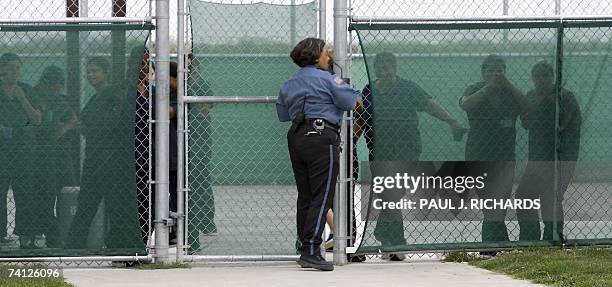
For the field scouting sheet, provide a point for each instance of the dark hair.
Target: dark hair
(385, 59)
(542, 67)
(173, 69)
(9, 57)
(100, 62)
(137, 54)
(307, 52)
(52, 75)
(493, 60)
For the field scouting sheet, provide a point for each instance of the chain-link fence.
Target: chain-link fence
(69, 137)
(421, 55)
(429, 80)
(240, 188)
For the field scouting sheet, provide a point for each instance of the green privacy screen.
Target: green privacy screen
(506, 125)
(241, 188)
(67, 148)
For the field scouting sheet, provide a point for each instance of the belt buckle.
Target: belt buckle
(318, 125)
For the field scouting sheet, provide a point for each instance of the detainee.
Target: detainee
(550, 146)
(493, 106)
(389, 123)
(314, 100)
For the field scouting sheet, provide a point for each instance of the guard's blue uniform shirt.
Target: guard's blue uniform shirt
(318, 93)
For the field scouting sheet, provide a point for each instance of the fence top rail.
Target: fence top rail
(424, 25)
(503, 18)
(79, 20)
(230, 99)
(74, 27)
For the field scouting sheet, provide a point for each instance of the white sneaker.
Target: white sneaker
(329, 243)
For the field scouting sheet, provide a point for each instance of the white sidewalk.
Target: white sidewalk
(414, 274)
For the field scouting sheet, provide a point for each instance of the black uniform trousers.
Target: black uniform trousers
(315, 161)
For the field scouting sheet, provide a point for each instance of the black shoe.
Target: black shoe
(356, 258)
(394, 257)
(316, 262)
(397, 257)
(26, 242)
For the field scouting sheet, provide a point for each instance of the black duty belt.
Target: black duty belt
(321, 124)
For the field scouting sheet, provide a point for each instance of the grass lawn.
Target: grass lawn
(6, 281)
(576, 267)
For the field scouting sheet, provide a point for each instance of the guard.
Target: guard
(314, 100)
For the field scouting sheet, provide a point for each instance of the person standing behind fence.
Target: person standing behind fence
(538, 181)
(107, 122)
(17, 118)
(173, 147)
(139, 75)
(390, 124)
(202, 227)
(493, 106)
(51, 168)
(314, 101)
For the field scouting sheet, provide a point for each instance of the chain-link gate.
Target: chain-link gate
(240, 186)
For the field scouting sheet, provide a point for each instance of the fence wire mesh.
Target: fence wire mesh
(414, 68)
(241, 198)
(469, 8)
(448, 9)
(46, 9)
(240, 193)
(70, 140)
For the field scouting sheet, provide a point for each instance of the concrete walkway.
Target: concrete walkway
(414, 274)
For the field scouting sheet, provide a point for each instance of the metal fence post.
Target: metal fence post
(340, 208)
(162, 129)
(558, 90)
(292, 23)
(180, 92)
(322, 19)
